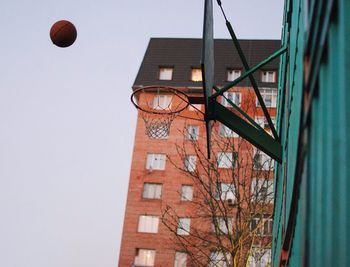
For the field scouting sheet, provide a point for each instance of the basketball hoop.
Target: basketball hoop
(159, 106)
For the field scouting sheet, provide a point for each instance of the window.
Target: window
(190, 163)
(262, 161)
(226, 160)
(183, 227)
(148, 224)
(180, 259)
(225, 191)
(226, 132)
(162, 102)
(262, 189)
(192, 132)
(232, 74)
(196, 75)
(165, 73)
(269, 96)
(219, 259)
(234, 97)
(186, 192)
(262, 225)
(262, 121)
(259, 257)
(268, 76)
(152, 191)
(155, 162)
(144, 257)
(222, 225)
(195, 107)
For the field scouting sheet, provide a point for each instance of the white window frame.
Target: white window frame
(259, 257)
(186, 192)
(162, 102)
(268, 76)
(192, 132)
(196, 75)
(262, 121)
(148, 224)
(184, 226)
(145, 257)
(166, 73)
(269, 95)
(233, 74)
(195, 107)
(235, 97)
(226, 132)
(180, 259)
(152, 191)
(190, 163)
(225, 191)
(262, 190)
(155, 161)
(225, 160)
(263, 225)
(221, 225)
(217, 259)
(262, 161)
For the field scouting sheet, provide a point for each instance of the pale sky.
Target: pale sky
(67, 125)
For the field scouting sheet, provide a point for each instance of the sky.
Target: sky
(66, 122)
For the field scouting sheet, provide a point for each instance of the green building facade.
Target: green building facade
(312, 205)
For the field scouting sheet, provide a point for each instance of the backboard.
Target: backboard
(207, 65)
(246, 128)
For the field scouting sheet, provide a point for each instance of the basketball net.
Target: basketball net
(158, 107)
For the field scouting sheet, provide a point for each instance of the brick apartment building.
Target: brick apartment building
(154, 181)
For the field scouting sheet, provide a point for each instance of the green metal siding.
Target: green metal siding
(311, 216)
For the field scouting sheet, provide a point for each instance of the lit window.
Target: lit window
(259, 257)
(262, 122)
(195, 107)
(226, 160)
(183, 227)
(162, 102)
(222, 225)
(155, 162)
(268, 76)
(152, 191)
(269, 96)
(262, 189)
(190, 163)
(186, 192)
(225, 191)
(226, 132)
(262, 225)
(145, 257)
(234, 97)
(219, 259)
(262, 161)
(232, 74)
(165, 74)
(192, 132)
(196, 75)
(148, 224)
(180, 259)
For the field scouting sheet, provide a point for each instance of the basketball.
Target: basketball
(63, 33)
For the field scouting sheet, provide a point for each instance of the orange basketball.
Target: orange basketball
(63, 33)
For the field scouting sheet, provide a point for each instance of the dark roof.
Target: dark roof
(183, 54)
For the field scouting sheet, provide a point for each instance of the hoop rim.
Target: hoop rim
(174, 90)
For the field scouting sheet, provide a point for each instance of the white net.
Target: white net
(159, 106)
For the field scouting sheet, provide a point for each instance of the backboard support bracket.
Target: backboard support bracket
(258, 138)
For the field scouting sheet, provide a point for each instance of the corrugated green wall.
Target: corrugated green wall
(312, 207)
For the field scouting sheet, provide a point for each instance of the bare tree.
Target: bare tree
(228, 220)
